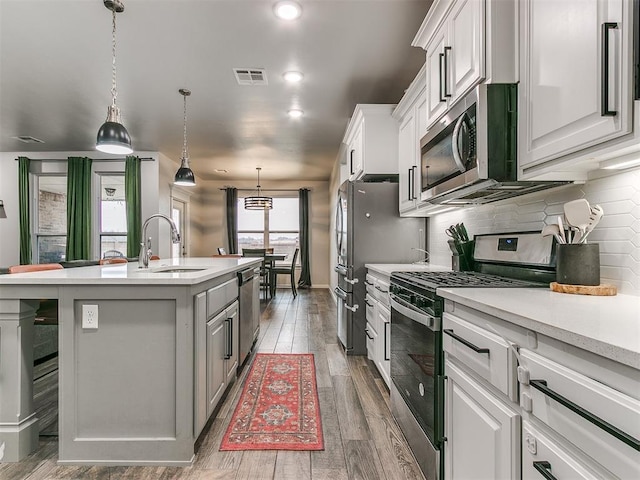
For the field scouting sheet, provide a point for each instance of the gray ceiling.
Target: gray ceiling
(55, 77)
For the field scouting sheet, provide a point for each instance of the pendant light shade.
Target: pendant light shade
(112, 136)
(259, 201)
(184, 175)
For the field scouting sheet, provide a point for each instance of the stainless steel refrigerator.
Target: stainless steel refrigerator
(369, 229)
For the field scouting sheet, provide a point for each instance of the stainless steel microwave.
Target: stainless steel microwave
(470, 155)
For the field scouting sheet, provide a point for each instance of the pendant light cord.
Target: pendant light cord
(185, 155)
(114, 91)
(258, 180)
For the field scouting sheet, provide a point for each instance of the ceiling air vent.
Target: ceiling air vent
(250, 76)
(28, 139)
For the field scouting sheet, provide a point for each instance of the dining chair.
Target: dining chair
(47, 312)
(114, 260)
(285, 269)
(265, 269)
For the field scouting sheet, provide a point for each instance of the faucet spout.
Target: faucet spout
(145, 247)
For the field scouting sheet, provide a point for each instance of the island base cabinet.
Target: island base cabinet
(482, 432)
(216, 371)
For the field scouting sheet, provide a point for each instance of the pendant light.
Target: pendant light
(258, 202)
(112, 136)
(184, 175)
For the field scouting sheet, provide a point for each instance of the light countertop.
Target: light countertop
(607, 326)
(130, 274)
(388, 268)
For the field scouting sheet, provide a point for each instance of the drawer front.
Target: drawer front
(482, 351)
(221, 296)
(603, 422)
(381, 291)
(370, 283)
(371, 311)
(372, 337)
(542, 454)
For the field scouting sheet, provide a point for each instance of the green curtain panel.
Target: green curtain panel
(25, 210)
(78, 208)
(133, 195)
(305, 258)
(231, 195)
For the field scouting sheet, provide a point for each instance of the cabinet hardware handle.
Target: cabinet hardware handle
(590, 417)
(413, 183)
(366, 330)
(446, 68)
(367, 302)
(409, 185)
(466, 342)
(440, 66)
(545, 470)
(227, 354)
(604, 101)
(352, 282)
(368, 282)
(351, 161)
(386, 325)
(381, 290)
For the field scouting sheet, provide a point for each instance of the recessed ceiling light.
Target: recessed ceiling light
(287, 10)
(293, 77)
(295, 113)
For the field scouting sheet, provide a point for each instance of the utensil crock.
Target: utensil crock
(578, 264)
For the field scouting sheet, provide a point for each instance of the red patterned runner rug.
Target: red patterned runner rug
(278, 408)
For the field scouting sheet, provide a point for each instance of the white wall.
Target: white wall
(9, 227)
(618, 233)
(208, 223)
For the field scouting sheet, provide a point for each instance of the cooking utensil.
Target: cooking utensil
(552, 230)
(594, 218)
(577, 213)
(561, 230)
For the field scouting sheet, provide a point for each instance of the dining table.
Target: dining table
(268, 260)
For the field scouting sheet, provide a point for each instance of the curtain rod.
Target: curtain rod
(269, 189)
(143, 159)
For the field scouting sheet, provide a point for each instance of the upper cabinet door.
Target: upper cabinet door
(465, 57)
(407, 162)
(576, 86)
(436, 81)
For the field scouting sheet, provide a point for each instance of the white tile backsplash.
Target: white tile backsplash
(618, 232)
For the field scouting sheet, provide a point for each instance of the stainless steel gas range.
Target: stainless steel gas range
(417, 360)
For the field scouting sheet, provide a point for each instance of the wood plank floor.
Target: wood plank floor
(362, 441)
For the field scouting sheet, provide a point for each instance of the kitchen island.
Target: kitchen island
(133, 378)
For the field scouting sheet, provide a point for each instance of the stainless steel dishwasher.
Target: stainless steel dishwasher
(246, 280)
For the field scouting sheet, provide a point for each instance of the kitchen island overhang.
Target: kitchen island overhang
(126, 389)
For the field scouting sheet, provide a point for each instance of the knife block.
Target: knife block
(578, 264)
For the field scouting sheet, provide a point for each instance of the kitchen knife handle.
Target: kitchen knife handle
(604, 100)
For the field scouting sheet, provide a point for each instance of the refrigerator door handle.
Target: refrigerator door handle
(352, 282)
(341, 270)
(352, 308)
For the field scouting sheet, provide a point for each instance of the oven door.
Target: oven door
(448, 151)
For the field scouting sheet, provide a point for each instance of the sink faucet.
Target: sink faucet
(145, 248)
(426, 258)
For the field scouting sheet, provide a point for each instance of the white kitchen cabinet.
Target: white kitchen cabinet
(482, 431)
(576, 84)
(216, 350)
(411, 116)
(378, 323)
(466, 41)
(372, 141)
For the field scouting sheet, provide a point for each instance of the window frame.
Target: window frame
(34, 213)
(96, 206)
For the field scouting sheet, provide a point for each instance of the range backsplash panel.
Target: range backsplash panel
(618, 233)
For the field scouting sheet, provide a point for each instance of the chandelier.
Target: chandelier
(258, 202)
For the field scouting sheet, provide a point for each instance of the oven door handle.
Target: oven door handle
(410, 312)
(454, 143)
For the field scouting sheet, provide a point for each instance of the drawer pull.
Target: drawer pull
(545, 470)
(368, 282)
(367, 302)
(381, 290)
(597, 421)
(466, 342)
(366, 330)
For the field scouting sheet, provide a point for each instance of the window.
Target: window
(113, 217)
(277, 228)
(51, 218)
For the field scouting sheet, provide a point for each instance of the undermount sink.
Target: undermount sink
(177, 269)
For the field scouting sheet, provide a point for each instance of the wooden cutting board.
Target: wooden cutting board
(601, 290)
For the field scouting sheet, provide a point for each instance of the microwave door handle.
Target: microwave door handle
(454, 143)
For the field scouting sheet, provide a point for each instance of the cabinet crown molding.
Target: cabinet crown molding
(435, 17)
(417, 86)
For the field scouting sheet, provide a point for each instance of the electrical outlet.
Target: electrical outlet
(89, 316)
